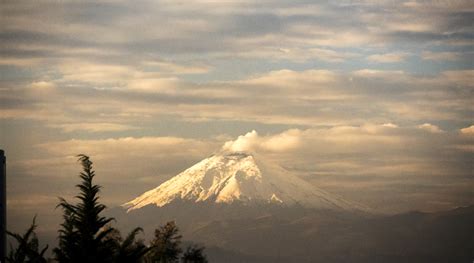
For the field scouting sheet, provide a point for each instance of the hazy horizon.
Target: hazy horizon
(370, 100)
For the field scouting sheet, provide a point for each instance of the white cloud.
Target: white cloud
(43, 85)
(283, 97)
(389, 76)
(163, 85)
(286, 141)
(295, 79)
(125, 145)
(175, 68)
(77, 71)
(243, 143)
(252, 142)
(300, 54)
(390, 125)
(388, 57)
(468, 130)
(415, 27)
(380, 150)
(430, 128)
(378, 73)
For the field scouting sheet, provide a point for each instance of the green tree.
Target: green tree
(27, 250)
(131, 250)
(84, 235)
(165, 247)
(194, 254)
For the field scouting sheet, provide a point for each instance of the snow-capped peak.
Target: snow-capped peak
(237, 176)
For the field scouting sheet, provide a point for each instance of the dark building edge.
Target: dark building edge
(3, 206)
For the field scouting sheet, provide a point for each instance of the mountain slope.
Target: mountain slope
(336, 237)
(238, 177)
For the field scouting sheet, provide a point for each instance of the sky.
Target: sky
(371, 100)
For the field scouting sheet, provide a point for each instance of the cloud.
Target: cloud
(290, 97)
(125, 145)
(252, 142)
(388, 57)
(243, 143)
(283, 142)
(459, 77)
(174, 68)
(440, 56)
(430, 128)
(117, 159)
(20, 62)
(299, 54)
(164, 85)
(287, 77)
(108, 31)
(376, 73)
(390, 125)
(77, 71)
(468, 130)
(43, 85)
(93, 127)
(384, 78)
(361, 162)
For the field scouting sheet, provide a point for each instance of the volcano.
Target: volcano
(240, 177)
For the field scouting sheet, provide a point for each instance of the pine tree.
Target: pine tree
(84, 236)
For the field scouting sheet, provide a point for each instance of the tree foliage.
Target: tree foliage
(27, 250)
(165, 247)
(194, 254)
(87, 236)
(131, 250)
(84, 236)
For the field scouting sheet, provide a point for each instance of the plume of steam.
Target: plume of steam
(252, 142)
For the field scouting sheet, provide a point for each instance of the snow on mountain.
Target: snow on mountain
(228, 177)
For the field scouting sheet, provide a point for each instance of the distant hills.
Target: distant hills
(239, 233)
